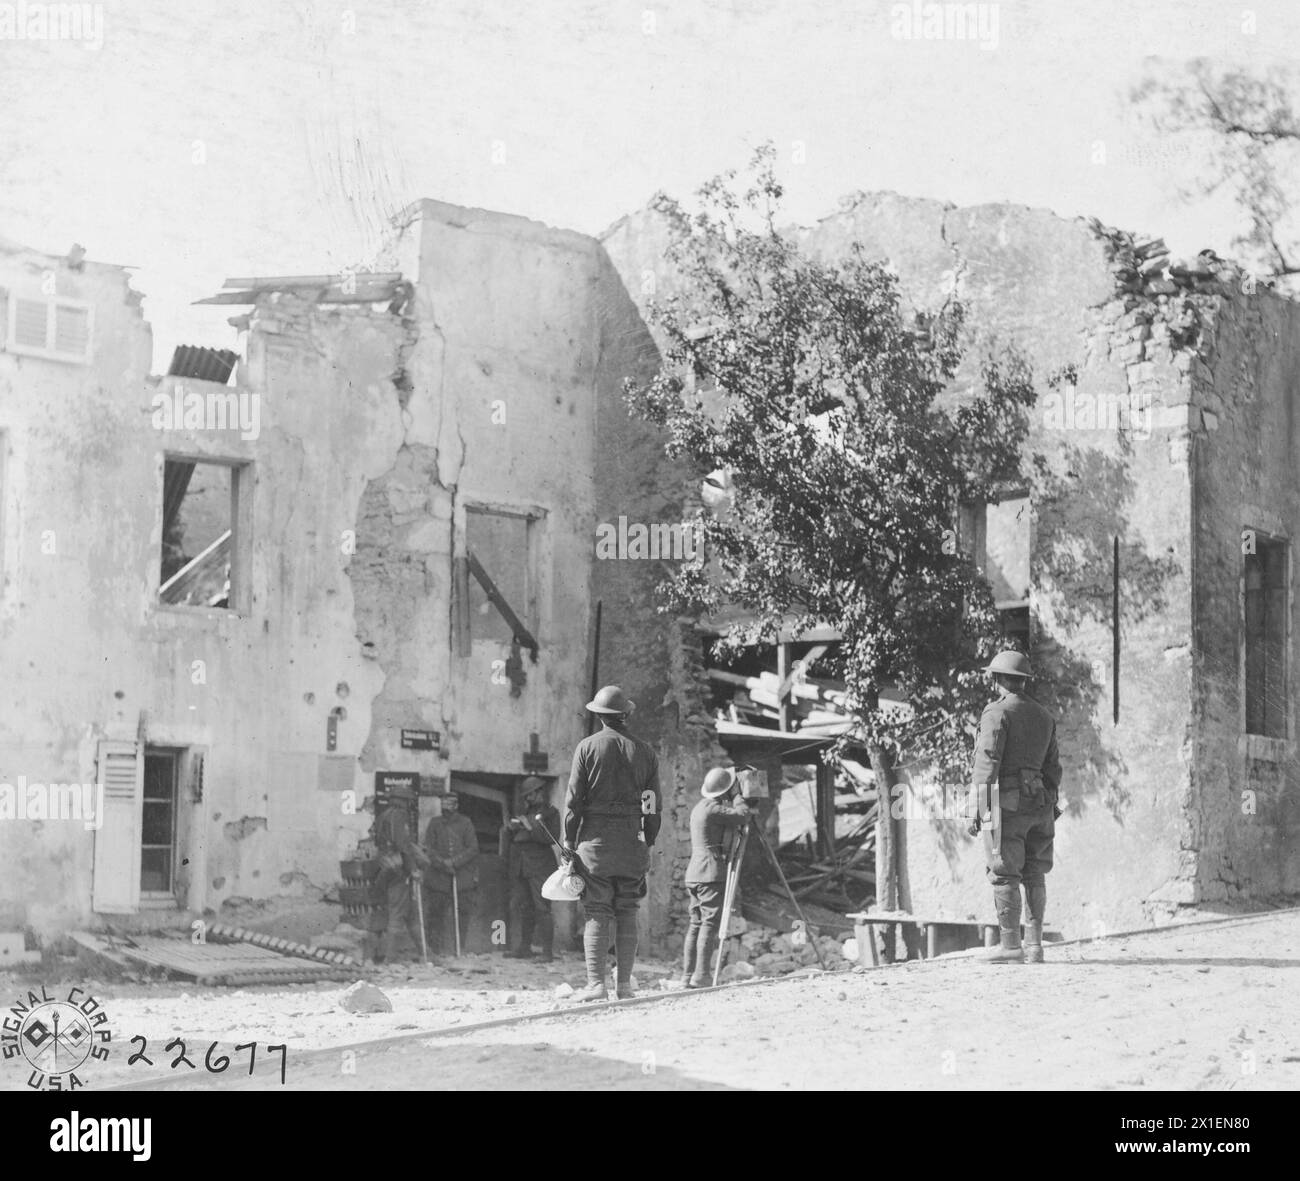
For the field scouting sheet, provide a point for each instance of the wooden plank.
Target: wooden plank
(516, 625)
(282, 281)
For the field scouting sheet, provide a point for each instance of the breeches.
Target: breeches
(706, 905)
(608, 896)
(1026, 848)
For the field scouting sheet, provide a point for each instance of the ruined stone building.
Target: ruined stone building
(228, 591)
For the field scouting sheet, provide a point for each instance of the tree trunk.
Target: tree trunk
(886, 845)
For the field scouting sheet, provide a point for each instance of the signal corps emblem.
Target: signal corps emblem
(56, 1037)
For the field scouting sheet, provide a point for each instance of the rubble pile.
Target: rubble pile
(753, 950)
(1145, 268)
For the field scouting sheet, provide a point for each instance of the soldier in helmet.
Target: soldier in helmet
(611, 821)
(1016, 784)
(530, 860)
(401, 866)
(716, 816)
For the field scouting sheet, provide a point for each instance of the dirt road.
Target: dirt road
(1213, 1007)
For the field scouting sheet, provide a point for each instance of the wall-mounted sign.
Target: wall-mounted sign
(421, 740)
(385, 781)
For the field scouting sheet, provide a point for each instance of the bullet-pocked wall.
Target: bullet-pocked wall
(238, 695)
(1107, 326)
(67, 427)
(494, 455)
(1243, 382)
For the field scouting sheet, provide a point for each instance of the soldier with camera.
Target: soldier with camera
(720, 813)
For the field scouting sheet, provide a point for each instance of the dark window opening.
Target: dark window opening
(1266, 611)
(198, 538)
(158, 822)
(1015, 628)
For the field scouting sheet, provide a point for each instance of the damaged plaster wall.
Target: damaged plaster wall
(1241, 386)
(1049, 287)
(64, 430)
(656, 658)
(498, 412)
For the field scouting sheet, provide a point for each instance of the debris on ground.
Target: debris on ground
(366, 998)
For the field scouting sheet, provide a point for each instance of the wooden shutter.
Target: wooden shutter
(58, 329)
(117, 843)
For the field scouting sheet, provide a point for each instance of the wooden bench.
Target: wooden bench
(932, 928)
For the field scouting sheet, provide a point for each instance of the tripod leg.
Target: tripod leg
(729, 899)
(793, 900)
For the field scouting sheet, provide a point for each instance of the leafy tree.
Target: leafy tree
(1251, 134)
(832, 410)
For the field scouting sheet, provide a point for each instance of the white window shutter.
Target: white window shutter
(31, 323)
(117, 843)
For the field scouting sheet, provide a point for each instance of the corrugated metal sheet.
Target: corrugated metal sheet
(203, 364)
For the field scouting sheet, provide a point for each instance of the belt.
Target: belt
(1029, 778)
(626, 810)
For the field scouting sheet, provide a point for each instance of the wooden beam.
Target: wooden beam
(498, 600)
(814, 655)
(337, 278)
(783, 677)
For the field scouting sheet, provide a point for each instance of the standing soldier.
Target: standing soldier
(530, 860)
(713, 819)
(611, 820)
(452, 846)
(400, 863)
(1016, 784)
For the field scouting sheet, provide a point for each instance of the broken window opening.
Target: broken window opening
(997, 538)
(200, 533)
(498, 581)
(1265, 628)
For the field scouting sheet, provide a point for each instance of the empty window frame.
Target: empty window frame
(998, 538)
(501, 551)
(1266, 609)
(204, 534)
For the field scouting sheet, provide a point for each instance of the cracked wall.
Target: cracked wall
(1077, 307)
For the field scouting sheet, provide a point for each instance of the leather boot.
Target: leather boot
(1006, 900)
(688, 953)
(702, 976)
(1036, 906)
(625, 948)
(595, 946)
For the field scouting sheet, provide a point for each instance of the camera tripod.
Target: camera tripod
(734, 862)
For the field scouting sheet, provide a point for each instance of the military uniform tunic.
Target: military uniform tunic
(1016, 749)
(611, 817)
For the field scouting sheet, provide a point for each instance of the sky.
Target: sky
(204, 140)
